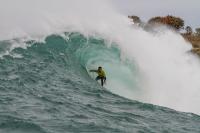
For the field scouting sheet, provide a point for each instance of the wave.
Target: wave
(48, 87)
(145, 76)
(152, 68)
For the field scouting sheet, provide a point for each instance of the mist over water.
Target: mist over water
(163, 72)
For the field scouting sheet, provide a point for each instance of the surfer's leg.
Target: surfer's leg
(102, 81)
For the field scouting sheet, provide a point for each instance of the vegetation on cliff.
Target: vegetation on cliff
(175, 23)
(171, 21)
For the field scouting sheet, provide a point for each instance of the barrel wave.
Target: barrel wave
(46, 88)
(47, 49)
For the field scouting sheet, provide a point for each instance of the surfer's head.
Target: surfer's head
(99, 68)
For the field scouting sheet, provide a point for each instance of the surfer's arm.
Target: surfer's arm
(93, 70)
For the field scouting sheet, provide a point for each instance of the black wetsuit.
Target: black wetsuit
(103, 79)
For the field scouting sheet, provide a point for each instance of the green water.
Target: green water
(47, 89)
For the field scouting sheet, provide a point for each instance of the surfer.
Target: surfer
(101, 75)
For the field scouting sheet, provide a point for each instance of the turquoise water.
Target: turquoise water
(46, 89)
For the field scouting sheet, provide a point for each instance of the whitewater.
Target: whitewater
(47, 49)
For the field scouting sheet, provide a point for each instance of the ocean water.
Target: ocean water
(47, 49)
(46, 89)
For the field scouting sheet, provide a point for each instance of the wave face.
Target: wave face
(156, 68)
(46, 88)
